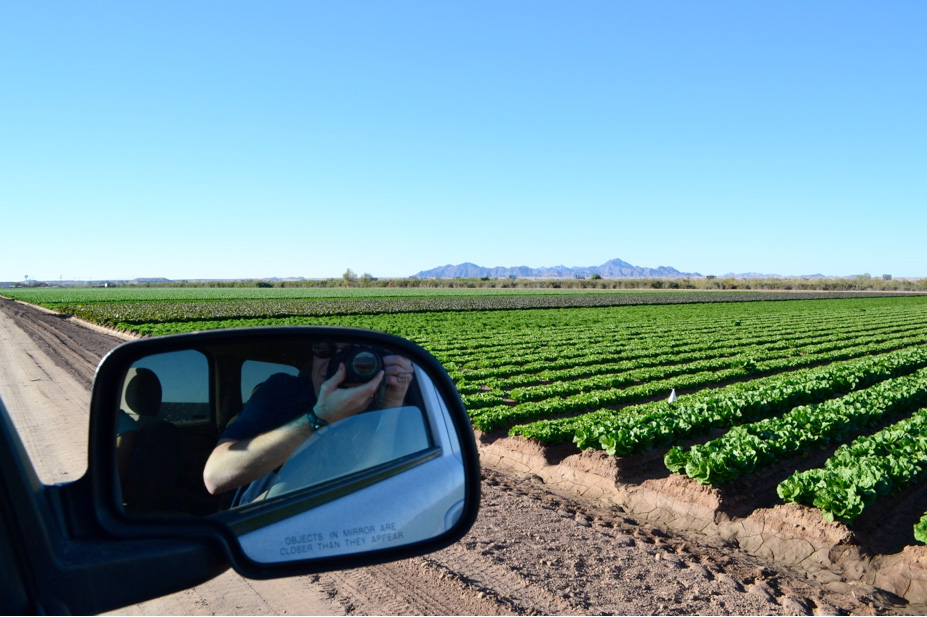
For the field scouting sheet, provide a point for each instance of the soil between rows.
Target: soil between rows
(748, 513)
(562, 532)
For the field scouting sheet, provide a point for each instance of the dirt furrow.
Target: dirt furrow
(63, 340)
(489, 572)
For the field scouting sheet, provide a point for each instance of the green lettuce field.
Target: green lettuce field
(767, 376)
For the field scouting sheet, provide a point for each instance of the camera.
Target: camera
(361, 363)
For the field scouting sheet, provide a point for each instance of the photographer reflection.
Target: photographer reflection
(338, 381)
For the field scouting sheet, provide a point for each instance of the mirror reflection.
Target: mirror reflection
(304, 450)
(336, 382)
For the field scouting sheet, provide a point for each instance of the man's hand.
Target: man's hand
(339, 403)
(398, 377)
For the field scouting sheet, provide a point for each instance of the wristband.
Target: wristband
(315, 421)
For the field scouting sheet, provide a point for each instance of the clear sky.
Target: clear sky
(225, 139)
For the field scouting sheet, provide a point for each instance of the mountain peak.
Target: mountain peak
(614, 268)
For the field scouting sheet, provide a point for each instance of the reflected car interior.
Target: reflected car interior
(175, 406)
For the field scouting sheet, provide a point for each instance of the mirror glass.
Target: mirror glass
(303, 449)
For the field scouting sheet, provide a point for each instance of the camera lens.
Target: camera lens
(365, 365)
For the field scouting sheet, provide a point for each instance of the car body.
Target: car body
(413, 485)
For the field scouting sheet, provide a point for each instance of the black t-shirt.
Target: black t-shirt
(279, 400)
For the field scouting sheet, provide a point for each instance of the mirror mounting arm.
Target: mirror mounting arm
(122, 571)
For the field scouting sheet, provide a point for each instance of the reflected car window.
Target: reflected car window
(184, 382)
(353, 445)
(254, 373)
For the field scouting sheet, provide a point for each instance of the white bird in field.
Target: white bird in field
(672, 396)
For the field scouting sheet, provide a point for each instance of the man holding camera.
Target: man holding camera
(285, 410)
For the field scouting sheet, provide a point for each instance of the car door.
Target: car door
(80, 547)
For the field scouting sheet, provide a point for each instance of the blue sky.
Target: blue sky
(232, 139)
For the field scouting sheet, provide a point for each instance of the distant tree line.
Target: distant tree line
(862, 282)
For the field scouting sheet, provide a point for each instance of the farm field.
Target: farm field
(793, 422)
(159, 310)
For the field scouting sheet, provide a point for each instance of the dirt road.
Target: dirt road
(531, 551)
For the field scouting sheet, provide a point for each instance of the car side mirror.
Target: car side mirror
(298, 449)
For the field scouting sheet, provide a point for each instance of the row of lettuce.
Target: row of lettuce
(882, 429)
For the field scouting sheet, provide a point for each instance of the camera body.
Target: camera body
(361, 363)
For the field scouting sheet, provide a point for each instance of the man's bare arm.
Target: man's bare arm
(236, 463)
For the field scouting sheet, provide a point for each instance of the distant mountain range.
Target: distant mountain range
(612, 269)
